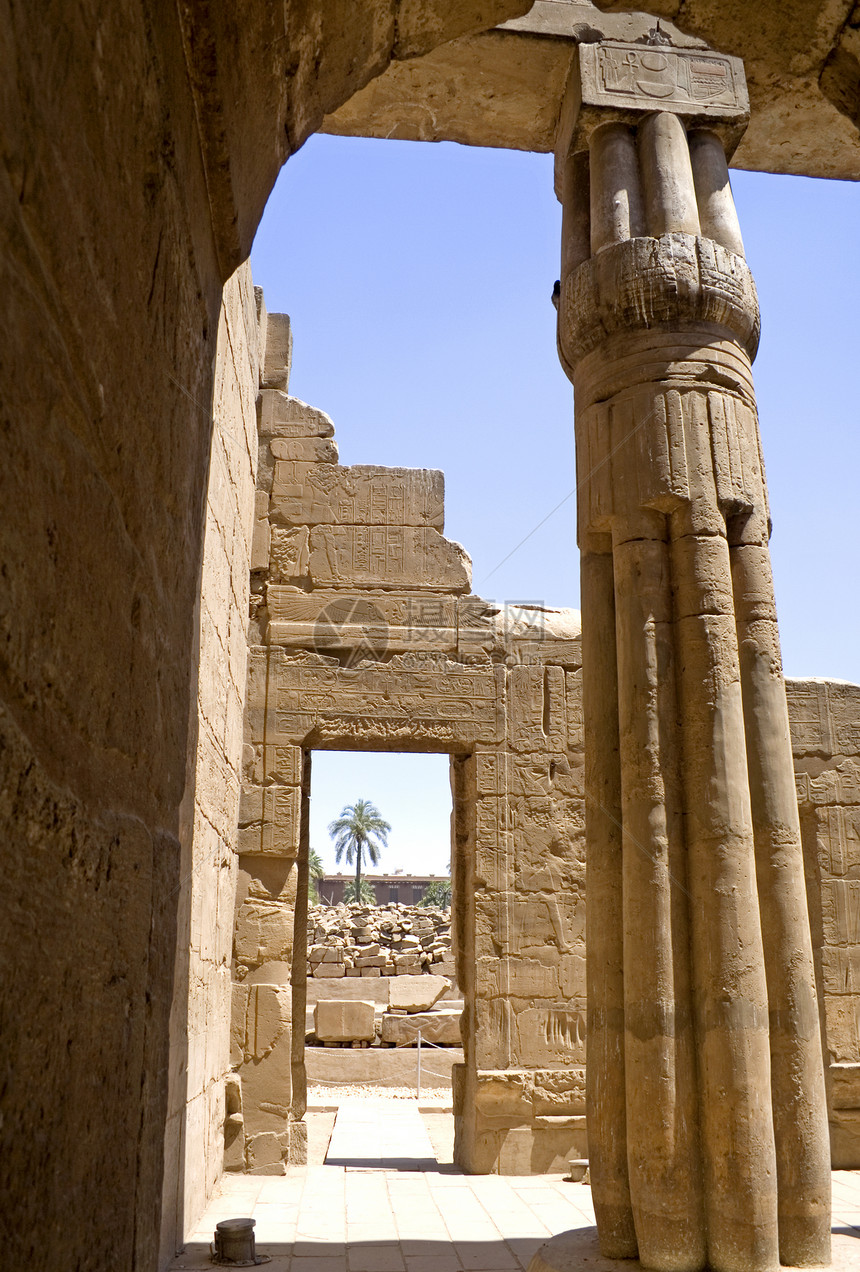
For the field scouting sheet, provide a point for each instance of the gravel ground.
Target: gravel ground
(324, 1095)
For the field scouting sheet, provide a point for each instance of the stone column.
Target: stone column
(706, 1105)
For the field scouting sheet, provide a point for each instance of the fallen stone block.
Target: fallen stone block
(417, 993)
(344, 1020)
(440, 1027)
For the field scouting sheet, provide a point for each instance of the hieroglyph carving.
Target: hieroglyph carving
(387, 556)
(358, 495)
(386, 697)
(635, 74)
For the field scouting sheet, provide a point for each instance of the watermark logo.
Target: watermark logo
(358, 631)
(353, 626)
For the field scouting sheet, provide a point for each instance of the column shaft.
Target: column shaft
(797, 1075)
(729, 988)
(662, 1116)
(717, 213)
(604, 1074)
(616, 199)
(575, 214)
(706, 1112)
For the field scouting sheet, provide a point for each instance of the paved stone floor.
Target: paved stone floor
(385, 1202)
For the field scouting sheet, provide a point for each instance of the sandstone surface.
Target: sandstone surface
(381, 649)
(344, 1020)
(441, 1027)
(417, 993)
(392, 940)
(504, 87)
(158, 133)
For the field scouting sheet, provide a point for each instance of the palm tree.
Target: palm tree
(357, 833)
(316, 871)
(366, 897)
(437, 893)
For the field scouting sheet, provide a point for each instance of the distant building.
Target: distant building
(406, 888)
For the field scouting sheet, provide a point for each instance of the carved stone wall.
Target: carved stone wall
(365, 637)
(200, 1009)
(825, 731)
(140, 145)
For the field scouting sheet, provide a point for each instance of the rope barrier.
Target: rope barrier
(419, 1043)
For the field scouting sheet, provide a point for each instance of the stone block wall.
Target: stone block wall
(200, 1010)
(519, 876)
(825, 731)
(365, 636)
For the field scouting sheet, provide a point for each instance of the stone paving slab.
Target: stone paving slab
(384, 1203)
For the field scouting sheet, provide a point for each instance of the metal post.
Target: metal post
(418, 1086)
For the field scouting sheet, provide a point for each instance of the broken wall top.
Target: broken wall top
(351, 562)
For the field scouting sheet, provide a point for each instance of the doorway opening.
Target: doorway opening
(377, 925)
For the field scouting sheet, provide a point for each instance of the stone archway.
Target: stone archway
(141, 146)
(142, 141)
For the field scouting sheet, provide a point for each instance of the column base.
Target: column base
(579, 1251)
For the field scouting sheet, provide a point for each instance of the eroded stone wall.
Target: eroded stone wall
(825, 731)
(200, 1013)
(365, 636)
(140, 146)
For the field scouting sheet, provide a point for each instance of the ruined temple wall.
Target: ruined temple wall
(825, 731)
(110, 305)
(364, 636)
(519, 1097)
(200, 1012)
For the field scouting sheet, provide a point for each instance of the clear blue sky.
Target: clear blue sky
(418, 278)
(412, 792)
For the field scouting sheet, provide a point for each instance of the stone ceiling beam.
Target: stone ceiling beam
(504, 87)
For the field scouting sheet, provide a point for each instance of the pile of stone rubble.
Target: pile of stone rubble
(389, 940)
(412, 1009)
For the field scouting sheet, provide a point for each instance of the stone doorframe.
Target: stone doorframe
(365, 636)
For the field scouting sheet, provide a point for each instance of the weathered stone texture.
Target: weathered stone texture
(700, 960)
(417, 993)
(440, 1027)
(383, 941)
(344, 1020)
(825, 733)
(140, 145)
(386, 556)
(200, 1013)
(505, 87)
(358, 495)
(368, 640)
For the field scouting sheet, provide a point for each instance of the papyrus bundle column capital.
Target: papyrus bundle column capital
(651, 236)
